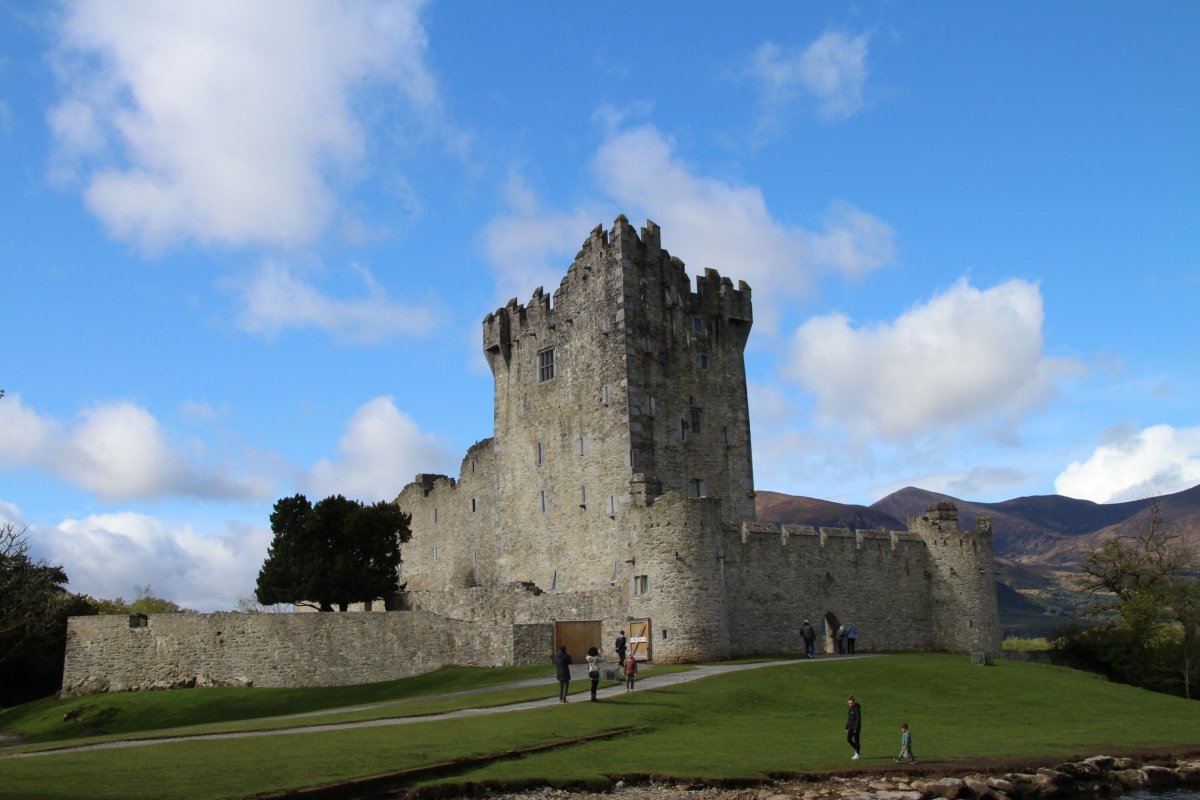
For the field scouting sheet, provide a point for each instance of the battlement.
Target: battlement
(822, 536)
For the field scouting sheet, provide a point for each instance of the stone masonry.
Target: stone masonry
(616, 493)
(618, 487)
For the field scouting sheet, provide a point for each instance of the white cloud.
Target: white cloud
(714, 223)
(276, 299)
(832, 71)
(107, 555)
(381, 451)
(529, 246)
(1157, 460)
(967, 356)
(115, 450)
(226, 122)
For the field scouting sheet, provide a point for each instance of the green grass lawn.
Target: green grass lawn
(778, 719)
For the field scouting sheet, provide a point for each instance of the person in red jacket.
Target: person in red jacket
(630, 672)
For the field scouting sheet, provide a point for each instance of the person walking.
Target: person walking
(851, 635)
(562, 669)
(809, 634)
(593, 662)
(906, 750)
(854, 727)
(841, 640)
(630, 672)
(620, 647)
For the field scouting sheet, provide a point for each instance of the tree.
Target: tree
(1149, 581)
(30, 592)
(34, 607)
(337, 552)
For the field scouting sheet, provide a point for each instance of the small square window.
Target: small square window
(704, 361)
(641, 585)
(697, 325)
(698, 487)
(545, 364)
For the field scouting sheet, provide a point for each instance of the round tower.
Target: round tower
(677, 581)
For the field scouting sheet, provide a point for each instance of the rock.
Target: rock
(1160, 778)
(1002, 786)
(1080, 771)
(949, 788)
(1100, 762)
(979, 788)
(1123, 763)
(1132, 778)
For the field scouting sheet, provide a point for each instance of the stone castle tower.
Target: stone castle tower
(618, 489)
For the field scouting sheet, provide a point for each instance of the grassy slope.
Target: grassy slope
(773, 720)
(130, 712)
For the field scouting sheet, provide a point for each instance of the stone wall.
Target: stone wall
(777, 577)
(272, 650)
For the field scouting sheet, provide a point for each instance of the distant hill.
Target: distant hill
(1040, 541)
(790, 510)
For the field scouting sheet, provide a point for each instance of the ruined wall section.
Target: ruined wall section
(282, 650)
(966, 614)
(454, 540)
(778, 576)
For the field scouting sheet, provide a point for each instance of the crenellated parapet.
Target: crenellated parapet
(822, 536)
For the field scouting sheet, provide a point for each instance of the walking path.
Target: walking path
(648, 682)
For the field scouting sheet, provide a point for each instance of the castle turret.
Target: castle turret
(966, 617)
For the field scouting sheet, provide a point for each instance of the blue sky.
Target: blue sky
(247, 247)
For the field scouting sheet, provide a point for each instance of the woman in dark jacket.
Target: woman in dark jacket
(854, 726)
(562, 667)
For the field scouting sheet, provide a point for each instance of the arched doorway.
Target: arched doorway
(829, 637)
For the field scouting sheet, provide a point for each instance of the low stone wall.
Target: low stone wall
(284, 650)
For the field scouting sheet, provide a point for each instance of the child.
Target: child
(630, 672)
(906, 750)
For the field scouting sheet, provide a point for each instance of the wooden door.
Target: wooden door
(639, 639)
(578, 636)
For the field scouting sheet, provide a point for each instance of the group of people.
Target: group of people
(846, 635)
(854, 733)
(562, 667)
(845, 639)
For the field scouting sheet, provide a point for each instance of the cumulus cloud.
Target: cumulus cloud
(715, 223)
(276, 299)
(1157, 460)
(107, 555)
(966, 356)
(382, 450)
(117, 450)
(830, 72)
(530, 246)
(226, 122)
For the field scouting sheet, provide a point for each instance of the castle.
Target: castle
(618, 494)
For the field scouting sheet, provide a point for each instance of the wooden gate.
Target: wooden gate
(578, 637)
(639, 639)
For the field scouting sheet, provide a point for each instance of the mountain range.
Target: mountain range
(1040, 541)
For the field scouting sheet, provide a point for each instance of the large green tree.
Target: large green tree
(332, 554)
(34, 606)
(1148, 583)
